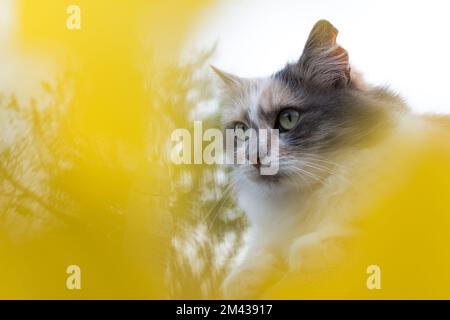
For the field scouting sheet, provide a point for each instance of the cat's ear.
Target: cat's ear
(324, 64)
(230, 81)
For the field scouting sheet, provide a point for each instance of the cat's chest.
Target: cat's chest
(274, 216)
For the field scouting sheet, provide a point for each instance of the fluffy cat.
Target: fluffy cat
(333, 129)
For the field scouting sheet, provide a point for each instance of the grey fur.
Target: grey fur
(336, 112)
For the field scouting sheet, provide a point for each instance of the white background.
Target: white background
(403, 44)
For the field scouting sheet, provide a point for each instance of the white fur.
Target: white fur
(288, 226)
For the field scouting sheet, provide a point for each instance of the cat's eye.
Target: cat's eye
(288, 119)
(240, 129)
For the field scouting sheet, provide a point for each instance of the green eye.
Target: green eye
(240, 128)
(288, 119)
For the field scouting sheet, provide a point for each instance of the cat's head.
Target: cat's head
(316, 103)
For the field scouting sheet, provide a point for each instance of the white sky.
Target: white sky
(404, 44)
(5, 18)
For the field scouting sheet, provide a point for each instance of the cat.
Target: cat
(332, 128)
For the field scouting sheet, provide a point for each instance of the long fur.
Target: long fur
(347, 131)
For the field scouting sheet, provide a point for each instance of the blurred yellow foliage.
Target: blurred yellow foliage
(85, 180)
(403, 229)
